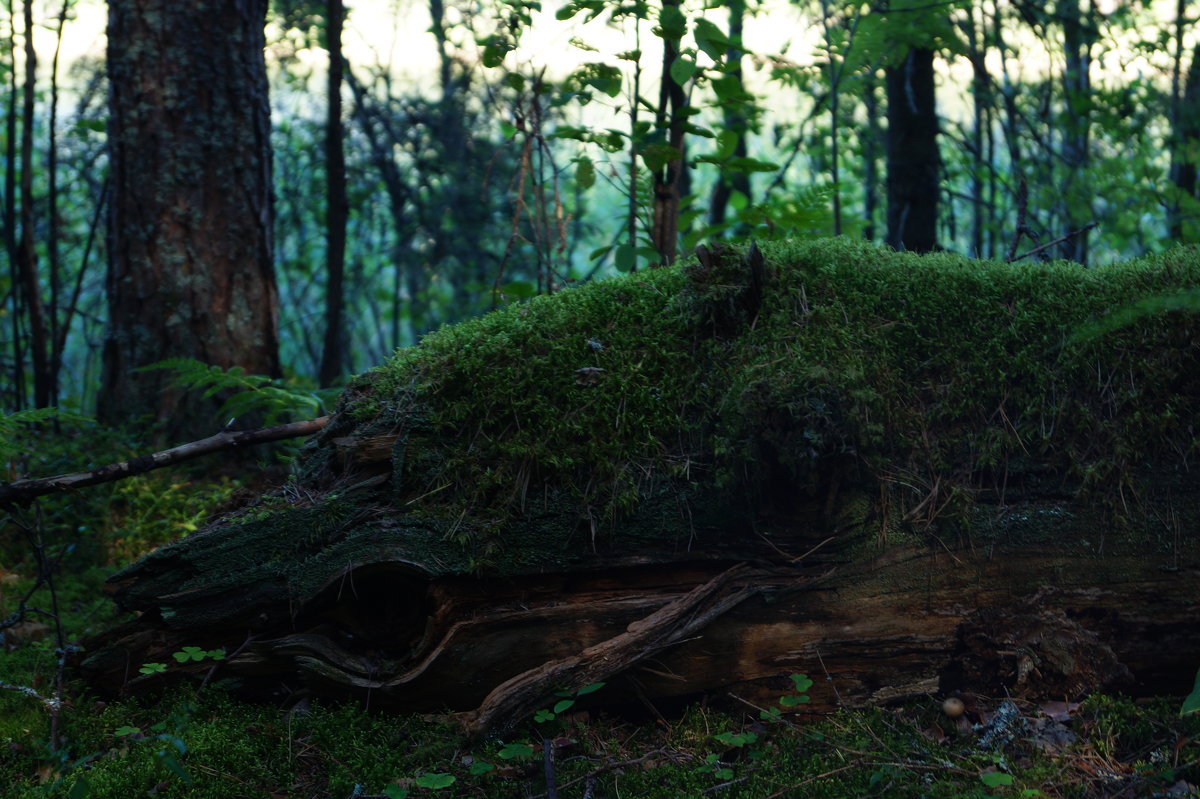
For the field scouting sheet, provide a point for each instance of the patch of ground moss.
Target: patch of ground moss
(222, 748)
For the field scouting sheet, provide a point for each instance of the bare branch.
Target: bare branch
(24, 491)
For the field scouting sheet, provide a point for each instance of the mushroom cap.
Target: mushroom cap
(953, 707)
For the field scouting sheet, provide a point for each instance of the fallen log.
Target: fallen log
(907, 474)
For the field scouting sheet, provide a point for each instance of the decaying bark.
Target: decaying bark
(362, 578)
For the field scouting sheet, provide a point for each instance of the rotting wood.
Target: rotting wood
(667, 626)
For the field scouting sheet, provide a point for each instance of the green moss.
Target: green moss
(879, 394)
(937, 375)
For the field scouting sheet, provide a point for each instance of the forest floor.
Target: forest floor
(195, 740)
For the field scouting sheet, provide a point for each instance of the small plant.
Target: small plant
(434, 781)
(195, 653)
(565, 703)
(245, 393)
(1191, 703)
(800, 684)
(187, 654)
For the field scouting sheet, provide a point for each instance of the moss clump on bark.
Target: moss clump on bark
(832, 382)
(940, 375)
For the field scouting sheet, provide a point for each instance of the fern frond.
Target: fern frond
(246, 393)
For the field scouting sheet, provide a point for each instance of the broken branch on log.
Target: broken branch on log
(22, 492)
(669, 625)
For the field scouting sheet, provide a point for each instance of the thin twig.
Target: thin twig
(1059, 240)
(23, 491)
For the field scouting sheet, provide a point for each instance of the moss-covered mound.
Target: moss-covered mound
(936, 374)
(666, 410)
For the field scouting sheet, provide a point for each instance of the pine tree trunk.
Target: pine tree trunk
(190, 271)
(912, 154)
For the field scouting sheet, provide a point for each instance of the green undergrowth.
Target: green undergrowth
(937, 376)
(186, 743)
(105, 524)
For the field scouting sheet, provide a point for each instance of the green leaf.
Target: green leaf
(172, 764)
(126, 730)
(189, 653)
(682, 70)
(1191, 704)
(737, 738)
(745, 164)
(658, 156)
(152, 668)
(729, 89)
(543, 715)
(436, 781)
(625, 258)
(518, 289)
(671, 23)
(711, 39)
(585, 173)
(494, 51)
(516, 751)
(727, 141)
(589, 689)
(993, 779)
(801, 682)
(791, 700)
(94, 125)
(80, 789)
(563, 705)
(395, 792)
(481, 767)
(515, 80)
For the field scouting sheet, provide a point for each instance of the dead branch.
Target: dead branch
(22, 492)
(1059, 240)
(669, 625)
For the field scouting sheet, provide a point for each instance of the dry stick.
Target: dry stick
(1022, 226)
(1059, 240)
(667, 626)
(596, 772)
(23, 491)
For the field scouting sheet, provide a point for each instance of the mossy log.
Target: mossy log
(908, 474)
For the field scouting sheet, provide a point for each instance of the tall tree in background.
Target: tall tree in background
(190, 271)
(671, 120)
(1186, 134)
(26, 253)
(733, 114)
(912, 153)
(333, 353)
(1079, 33)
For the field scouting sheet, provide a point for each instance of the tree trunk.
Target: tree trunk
(735, 122)
(334, 350)
(190, 271)
(671, 119)
(1183, 165)
(31, 291)
(912, 155)
(1076, 191)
